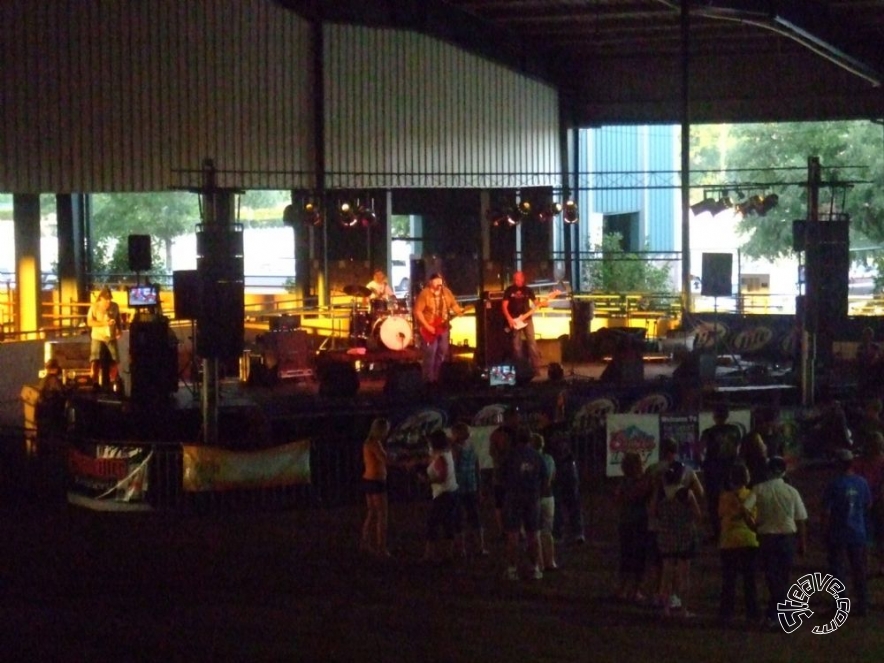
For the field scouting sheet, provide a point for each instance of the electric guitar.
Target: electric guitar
(440, 326)
(521, 321)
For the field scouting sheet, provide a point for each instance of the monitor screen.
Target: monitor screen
(503, 375)
(142, 295)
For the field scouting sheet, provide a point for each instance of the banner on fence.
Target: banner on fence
(109, 477)
(211, 468)
(631, 432)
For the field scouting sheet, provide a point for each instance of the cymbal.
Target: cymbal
(357, 291)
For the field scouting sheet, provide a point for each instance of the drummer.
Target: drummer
(380, 289)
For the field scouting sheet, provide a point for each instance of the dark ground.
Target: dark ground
(291, 586)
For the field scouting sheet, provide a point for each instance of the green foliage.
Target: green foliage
(776, 155)
(615, 270)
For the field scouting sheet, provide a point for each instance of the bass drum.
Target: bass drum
(394, 332)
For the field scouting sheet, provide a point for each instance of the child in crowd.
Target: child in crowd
(678, 513)
(632, 506)
(738, 545)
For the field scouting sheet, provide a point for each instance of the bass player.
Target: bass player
(433, 309)
(519, 304)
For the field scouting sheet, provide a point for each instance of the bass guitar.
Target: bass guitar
(521, 321)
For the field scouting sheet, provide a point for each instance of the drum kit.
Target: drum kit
(385, 321)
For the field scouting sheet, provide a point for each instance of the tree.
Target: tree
(616, 270)
(775, 156)
(164, 216)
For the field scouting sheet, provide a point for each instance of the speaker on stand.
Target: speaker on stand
(493, 343)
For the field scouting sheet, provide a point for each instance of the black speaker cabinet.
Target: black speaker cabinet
(153, 359)
(139, 253)
(186, 289)
(717, 275)
(582, 313)
(221, 320)
(338, 380)
(493, 343)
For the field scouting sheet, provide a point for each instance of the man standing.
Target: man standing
(525, 478)
(846, 505)
(720, 444)
(781, 524)
(519, 304)
(433, 309)
(103, 321)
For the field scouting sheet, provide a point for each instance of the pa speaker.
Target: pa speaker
(186, 289)
(493, 343)
(221, 320)
(139, 253)
(717, 275)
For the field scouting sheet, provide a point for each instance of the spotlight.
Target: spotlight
(524, 209)
(347, 217)
(367, 216)
(704, 206)
(724, 203)
(550, 212)
(569, 214)
(503, 217)
(770, 201)
(312, 214)
(752, 205)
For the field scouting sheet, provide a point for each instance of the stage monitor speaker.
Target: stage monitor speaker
(717, 275)
(186, 290)
(139, 253)
(338, 380)
(493, 343)
(404, 381)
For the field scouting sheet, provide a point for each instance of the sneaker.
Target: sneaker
(511, 573)
(674, 602)
(537, 574)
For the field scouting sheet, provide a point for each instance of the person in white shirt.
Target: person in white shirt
(379, 287)
(781, 526)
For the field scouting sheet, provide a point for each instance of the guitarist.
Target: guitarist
(434, 307)
(519, 304)
(103, 321)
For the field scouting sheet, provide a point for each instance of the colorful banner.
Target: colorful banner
(631, 432)
(109, 477)
(211, 468)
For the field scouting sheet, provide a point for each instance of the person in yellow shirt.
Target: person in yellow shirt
(738, 545)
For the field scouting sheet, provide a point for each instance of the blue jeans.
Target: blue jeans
(528, 334)
(434, 353)
(856, 557)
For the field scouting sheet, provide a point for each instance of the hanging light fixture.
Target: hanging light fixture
(570, 213)
(770, 201)
(366, 216)
(312, 214)
(524, 209)
(549, 212)
(707, 205)
(347, 216)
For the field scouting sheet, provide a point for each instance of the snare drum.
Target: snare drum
(394, 331)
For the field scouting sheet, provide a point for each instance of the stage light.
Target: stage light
(770, 201)
(549, 213)
(367, 216)
(724, 203)
(346, 216)
(312, 214)
(569, 213)
(704, 206)
(524, 209)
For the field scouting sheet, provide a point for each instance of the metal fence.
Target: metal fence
(33, 469)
